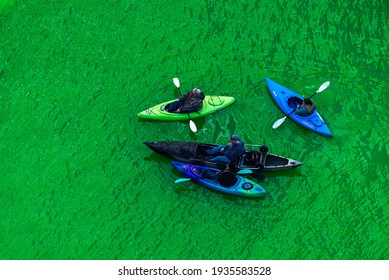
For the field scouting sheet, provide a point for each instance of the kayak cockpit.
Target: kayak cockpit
(294, 101)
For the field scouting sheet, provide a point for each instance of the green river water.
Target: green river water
(77, 182)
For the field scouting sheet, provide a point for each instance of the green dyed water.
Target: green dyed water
(77, 182)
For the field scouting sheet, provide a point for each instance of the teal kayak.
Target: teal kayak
(211, 104)
(207, 176)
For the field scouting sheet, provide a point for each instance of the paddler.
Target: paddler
(306, 108)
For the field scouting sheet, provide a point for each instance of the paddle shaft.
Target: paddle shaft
(179, 90)
(192, 125)
(313, 95)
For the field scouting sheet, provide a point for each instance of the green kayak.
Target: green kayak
(211, 104)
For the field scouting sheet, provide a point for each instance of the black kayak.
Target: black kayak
(193, 152)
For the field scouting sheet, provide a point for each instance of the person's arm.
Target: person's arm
(191, 105)
(184, 97)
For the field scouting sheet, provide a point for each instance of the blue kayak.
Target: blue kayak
(288, 100)
(207, 176)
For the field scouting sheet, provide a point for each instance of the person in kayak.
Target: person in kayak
(227, 177)
(306, 108)
(230, 153)
(192, 101)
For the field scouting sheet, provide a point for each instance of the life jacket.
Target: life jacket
(227, 178)
(310, 108)
(193, 102)
(234, 152)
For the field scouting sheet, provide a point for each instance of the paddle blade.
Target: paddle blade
(323, 86)
(176, 82)
(181, 180)
(244, 171)
(192, 126)
(279, 122)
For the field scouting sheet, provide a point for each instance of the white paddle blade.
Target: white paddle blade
(278, 122)
(182, 180)
(192, 126)
(244, 171)
(323, 86)
(176, 82)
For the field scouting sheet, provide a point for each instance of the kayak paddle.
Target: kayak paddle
(244, 171)
(182, 180)
(321, 88)
(192, 125)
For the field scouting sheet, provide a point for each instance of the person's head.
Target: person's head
(307, 101)
(196, 92)
(234, 138)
